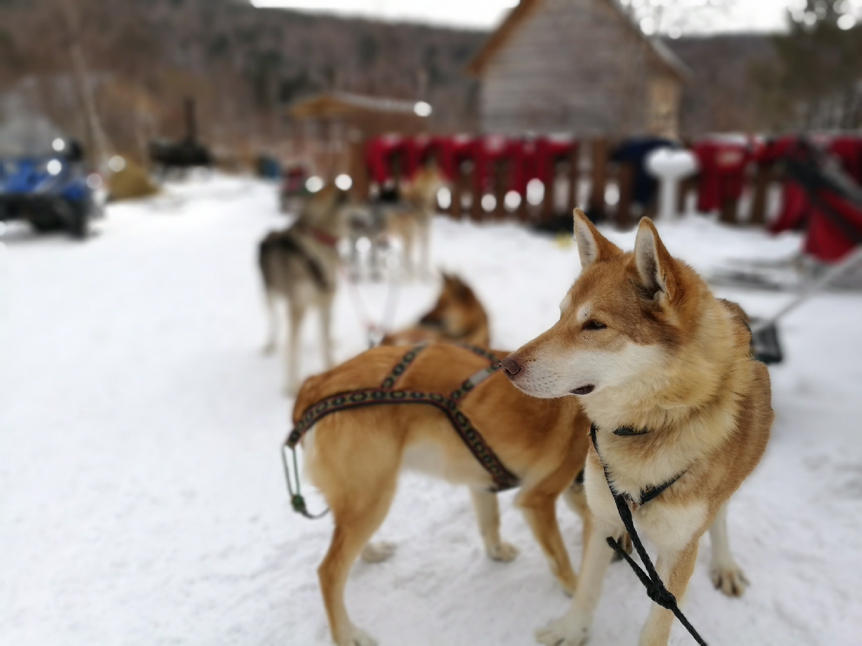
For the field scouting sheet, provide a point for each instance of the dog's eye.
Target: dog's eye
(592, 324)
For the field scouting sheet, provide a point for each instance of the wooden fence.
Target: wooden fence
(589, 179)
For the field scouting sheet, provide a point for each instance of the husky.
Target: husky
(299, 265)
(354, 457)
(456, 316)
(398, 212)
(369, 221)
(663, 370)
(413, 224)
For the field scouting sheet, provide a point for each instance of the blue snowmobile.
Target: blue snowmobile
(49, 191)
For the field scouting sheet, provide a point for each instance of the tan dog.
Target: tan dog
(456, 316)
(644, 345)
(413, 224)
(354, 456)
(300, 265)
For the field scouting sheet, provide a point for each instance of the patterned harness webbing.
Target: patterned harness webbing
(386, 394)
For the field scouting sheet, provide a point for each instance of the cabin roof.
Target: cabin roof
(525, 8)
(332, 104)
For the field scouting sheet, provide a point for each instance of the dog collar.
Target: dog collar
(323, 237)
(648, 492)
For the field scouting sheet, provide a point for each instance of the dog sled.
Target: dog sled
(823, 195)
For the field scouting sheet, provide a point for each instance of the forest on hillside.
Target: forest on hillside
(241, 64)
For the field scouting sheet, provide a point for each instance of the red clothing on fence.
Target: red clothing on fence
(722, 171)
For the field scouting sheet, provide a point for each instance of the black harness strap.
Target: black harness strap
(386, 394)
(482, 352)
(400, 367)
(655, 587)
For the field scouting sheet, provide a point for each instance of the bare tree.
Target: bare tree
(677, 17)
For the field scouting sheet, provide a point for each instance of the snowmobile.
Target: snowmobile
(49, 191)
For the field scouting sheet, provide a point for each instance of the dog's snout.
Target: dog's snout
(511, 366)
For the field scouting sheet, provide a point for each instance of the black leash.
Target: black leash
(655, 587)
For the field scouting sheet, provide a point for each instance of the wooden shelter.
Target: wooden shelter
(328, 130)
(578, 66)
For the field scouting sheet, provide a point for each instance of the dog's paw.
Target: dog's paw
(569, 583)
(502, 551)
(729, 578)
(377, 552)
(357, 637)
(563, 632)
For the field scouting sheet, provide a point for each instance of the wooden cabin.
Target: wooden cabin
(580, 66)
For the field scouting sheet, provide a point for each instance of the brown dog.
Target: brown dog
(354, 456)
(663, 368)
(456, 316)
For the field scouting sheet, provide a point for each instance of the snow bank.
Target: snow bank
(142, 495)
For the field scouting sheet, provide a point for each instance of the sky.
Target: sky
(745, 15)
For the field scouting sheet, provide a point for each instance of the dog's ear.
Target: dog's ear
(592, 245)
(459, 288)
(655, 267)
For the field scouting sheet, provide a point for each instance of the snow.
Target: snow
(143, 500)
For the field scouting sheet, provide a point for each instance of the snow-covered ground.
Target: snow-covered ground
(142, 500)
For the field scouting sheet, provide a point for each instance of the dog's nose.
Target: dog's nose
(510, 366)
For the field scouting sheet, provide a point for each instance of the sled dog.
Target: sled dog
(663, 370)
(413, 224)
(354, 457)
(456, 316)
(299, 265)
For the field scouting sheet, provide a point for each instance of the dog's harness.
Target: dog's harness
(323, 237)
(386, 393)
(288, 242)
(655, 587)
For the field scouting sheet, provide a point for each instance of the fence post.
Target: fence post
(523, 212)
(358, 169)
(728, 211)
(761, 190)
(457, 191)
(548, 198)
(599, 176)
(500, 168)
(476, 202)
(625, 183)
(574, 158)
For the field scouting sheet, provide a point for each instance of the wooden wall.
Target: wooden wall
(572, 65)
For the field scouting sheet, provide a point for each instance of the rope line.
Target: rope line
(655, 587)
